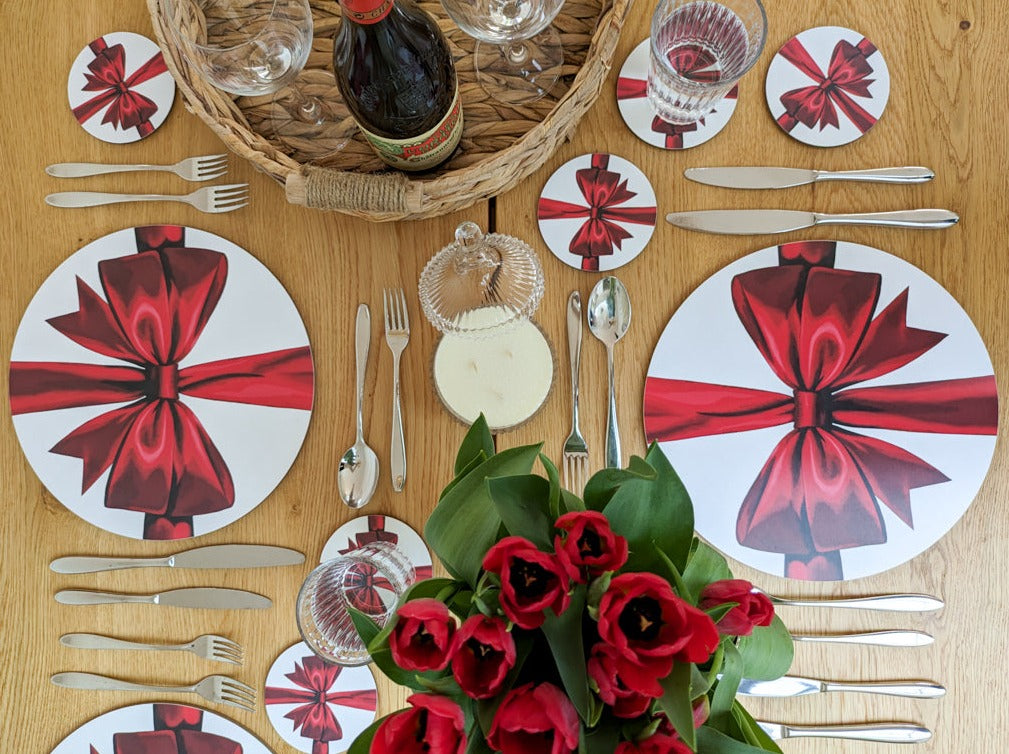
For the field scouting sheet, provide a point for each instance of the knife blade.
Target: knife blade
(194, 597)
(210, 556)
(896, 733)
(764, 221)
(896, 638)
(791, 685)
(903, 603)
(776, 178)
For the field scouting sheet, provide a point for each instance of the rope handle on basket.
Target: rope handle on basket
(319, 188)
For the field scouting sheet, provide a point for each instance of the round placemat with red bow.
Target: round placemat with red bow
(831, 409)
(827, 86)
(161, 382)
(119, 87)
(160, 729)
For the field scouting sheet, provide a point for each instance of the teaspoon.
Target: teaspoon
(609, 315)
(358, 474)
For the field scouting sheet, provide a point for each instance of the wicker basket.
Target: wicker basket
(501, 144)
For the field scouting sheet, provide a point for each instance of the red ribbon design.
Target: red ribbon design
(126, 108)
(176, 731)
(628, 88)
(378, 533)
(820, 489)
(845, 77)
(161, 460)
(314, 679)
(604, 192)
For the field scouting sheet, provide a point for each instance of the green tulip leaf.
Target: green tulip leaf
(725, 689)
(751, 732)
(464, 525)
(522, 503)
(711, 741)
(601, 487)
(767, 652)
(564, 635)
(602, 740)
(554, 477)
(477, 460)
(478, 439)
(704, 566)
(676, 702)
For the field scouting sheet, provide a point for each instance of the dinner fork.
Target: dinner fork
(208, 646)
(204, 168)
(214, 688)
(576, 452)
(211, 199)
(397, 335)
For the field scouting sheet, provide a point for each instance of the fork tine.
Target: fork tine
(211, 176)
(215, 161)
(208, 157)
(405, 321)
(229, 209)
(385, 308)
(237, 703)
(238, 687)
(223, 192)
(231, 186)
(224, 641)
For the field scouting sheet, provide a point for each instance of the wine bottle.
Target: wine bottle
(397, 77)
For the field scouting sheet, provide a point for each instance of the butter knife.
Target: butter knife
(776, 178)
(211, 556)
(759, 221)
(871, 638)
(196, 597)
(902, 603)
(893, 733)
(792, 685)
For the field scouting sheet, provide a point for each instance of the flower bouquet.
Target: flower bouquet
(599, 625)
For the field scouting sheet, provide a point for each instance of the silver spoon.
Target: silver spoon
(609, 314)
(358, 474)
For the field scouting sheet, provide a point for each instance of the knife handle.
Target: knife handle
(83, 564)
(879, 175)
(909, 689)
(894, 733)
(873, 638)
(927, 219)
(904, 603)
(82, 597)
(95, 682)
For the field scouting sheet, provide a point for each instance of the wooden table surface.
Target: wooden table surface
(946, 111)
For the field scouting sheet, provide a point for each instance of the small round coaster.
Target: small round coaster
(597, 212)
(119, 87)
(365, 530)
(507, 377)
(827, 86)
(640, 117)
(316, 706)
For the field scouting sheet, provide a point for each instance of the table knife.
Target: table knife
(197, 597)
(212, 556)
(759, 221)
(894, 733)
(903, 603)
(871, 638)
(775, 178)
(791, 685)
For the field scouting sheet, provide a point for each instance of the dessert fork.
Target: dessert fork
(397, 335)
(219, 689)
(212, 199)
(576, 453)
(203, 168)
(208, 646)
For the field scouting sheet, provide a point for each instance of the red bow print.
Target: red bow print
(126, 108)
(176, 731)
(314, 678)
(600, 233)
(161, 460)
(846, 77)
(628, 88)
(378, 533)
(820, 490)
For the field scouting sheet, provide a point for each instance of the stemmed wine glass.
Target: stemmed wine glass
(259, 47)
(518, 53)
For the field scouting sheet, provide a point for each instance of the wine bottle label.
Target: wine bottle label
(423, 151)
(366, 11)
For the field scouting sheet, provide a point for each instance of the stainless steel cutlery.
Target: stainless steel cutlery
(212, 199)
(217, 598)
(208, 646)
(899, 638)
(903, 603)
(204, 168)
(609, 316)
(357, 476)
(219, 689)
(397, 335)
(775, 178)
(212, 556)
(791, 685)
(575, 458)
(894, 733)
(760, 221)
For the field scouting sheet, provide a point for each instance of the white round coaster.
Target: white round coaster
(827, 86)
(316, 706)
(365, 530)
(160, 727)
(597, 212)
(119, 87)
(640, 117)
